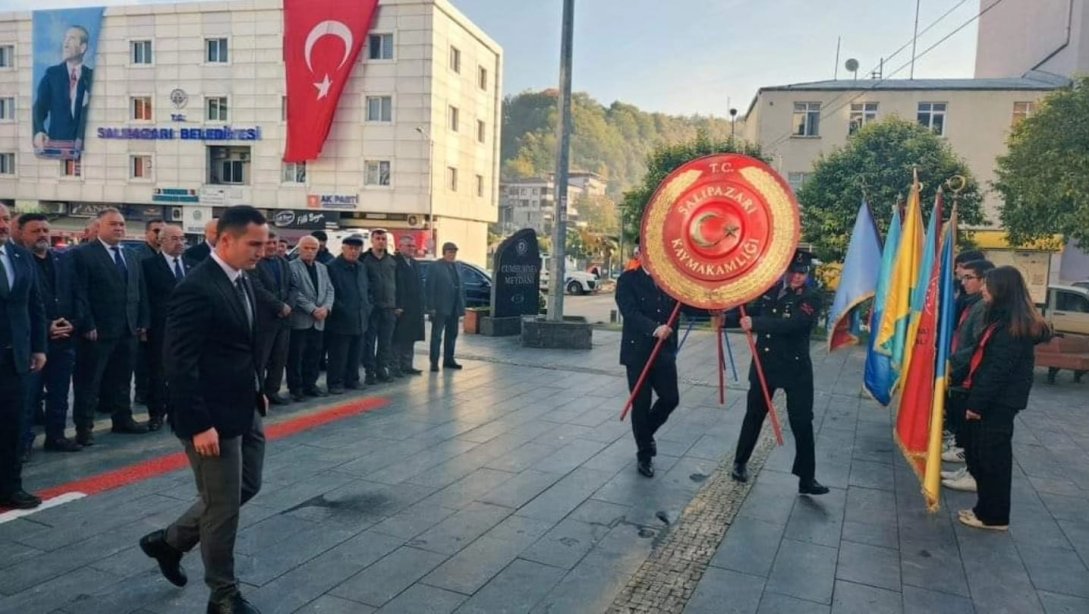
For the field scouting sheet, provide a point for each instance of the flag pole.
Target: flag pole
(650, 363)
(721, 364)
(730, 354)
(763, 384)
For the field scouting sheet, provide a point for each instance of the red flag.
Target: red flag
(322, 41)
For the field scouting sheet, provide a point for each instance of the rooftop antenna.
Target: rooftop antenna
(876, 75)
(835, 74)
(852, 65)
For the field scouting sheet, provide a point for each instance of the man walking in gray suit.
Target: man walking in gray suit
(313, 303)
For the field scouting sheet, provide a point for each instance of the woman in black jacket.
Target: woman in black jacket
(998, 387)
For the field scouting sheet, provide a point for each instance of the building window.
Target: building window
(480, 130)
(228, 165)
(807, 119)
(379, 108)
(380, 47)
(862, 113)
(140, 167)
(7, 56)
(455, 59)
(797, 180)
(480, 186)
(1021, 110)
(217, 109)
(7, 163)
(294, 172)
(377, 173)
(71, 168)
(452, 178)
(454, 118)
(932, 117)
(7, 108)
(215, 50)
(141, 52)
(482, 78)
(141, 108)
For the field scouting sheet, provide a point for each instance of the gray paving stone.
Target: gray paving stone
(520, 489)
(566, 543)
(721, 591)
(933, 564)
(423, 599)
(412, 521)
(818, 520)
(593, 511)
(869, 474)
(871, 506)
(1056, 570)
(774, 603)
(869, 565)
(518, 588)
(387, 578)
(802, 570)
(921, 601)
(996, 574)
(327, 604)
(478, 562)
(471, 487)
(1063, 604)
(565, 495)
(749, 547)
(1078, 534)
(853, 598)
(57, 592)
(883, 536)
(460, 529)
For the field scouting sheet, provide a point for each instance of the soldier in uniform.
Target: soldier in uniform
(646, 310)
(781, 321)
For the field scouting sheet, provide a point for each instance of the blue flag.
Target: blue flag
(857, 282)
(880, 374)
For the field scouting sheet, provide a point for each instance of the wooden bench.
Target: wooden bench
(1069, 352)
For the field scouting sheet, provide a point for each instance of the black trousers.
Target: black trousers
(992, 464)
(11, 424)
(272, 351)
(103, 379)
(343, 367)
(798, 387)
(304, 354)
(646, 419)
(141, 369)
(954, 418)
(444, 331)
(378, 341)
(403, 354)
(156, 374)
(224, 484)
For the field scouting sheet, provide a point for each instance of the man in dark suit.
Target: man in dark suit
(646, 309)
(216, 406)
(141, 374)
(446, 303)
(22, 350)
(63, 94)
(162, 272)
(409, 311)
(55, 285)
(377, 341)
(196, 254)
(348, 321)
(112, 313)
(274, 290)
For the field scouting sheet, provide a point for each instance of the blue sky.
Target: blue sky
(690, 56)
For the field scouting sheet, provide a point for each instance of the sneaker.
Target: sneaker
(956, 474)
(965, 483)
(969, 518)
(953, 455)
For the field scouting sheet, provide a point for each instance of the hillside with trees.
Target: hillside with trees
(612, 141)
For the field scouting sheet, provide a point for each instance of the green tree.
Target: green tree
(663, 160)
(598, 212)
(1044, 178)
(879, 159)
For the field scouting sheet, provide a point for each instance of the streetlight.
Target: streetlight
(430, 188)
(733, 122)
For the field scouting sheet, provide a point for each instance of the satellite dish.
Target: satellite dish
(851, 65)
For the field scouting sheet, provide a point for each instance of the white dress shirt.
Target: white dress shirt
(170, 263)
(9, 266)
(73, 87)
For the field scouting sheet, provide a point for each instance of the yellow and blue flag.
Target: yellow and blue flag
(880, 374)
(857, 282)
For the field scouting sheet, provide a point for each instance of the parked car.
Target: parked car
(1067, 309)
(574, 281)
(475, 280)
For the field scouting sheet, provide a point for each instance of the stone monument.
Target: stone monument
(516, 284)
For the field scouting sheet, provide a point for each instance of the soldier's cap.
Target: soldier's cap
(802, 262)
(449, 247)
(355, 239)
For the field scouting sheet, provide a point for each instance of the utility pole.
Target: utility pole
(559, 228)
(914, 39)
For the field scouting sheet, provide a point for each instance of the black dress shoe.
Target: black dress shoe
(434, 368)
(298, 397)
(315, 392)
(336, 389)
(740, 472)
(646, 468)
(413, 371)
(24, 455)
(154, 423)
(85, 438)
(61, 444)
(129, 427)
(451, 365)
(277, 399)
(154, 545)
(20, 500)
(235, 604)
(371, 379)
(396, 374)
(811, 487)
(354, 386)
(385, 378)
(139, 399)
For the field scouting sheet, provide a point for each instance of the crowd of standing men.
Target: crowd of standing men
(92, 319)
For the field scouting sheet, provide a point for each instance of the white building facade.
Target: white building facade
(414, 143)
(1016, 36)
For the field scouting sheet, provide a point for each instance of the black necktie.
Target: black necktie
(120, 263)
(178, 273)
(240, 285)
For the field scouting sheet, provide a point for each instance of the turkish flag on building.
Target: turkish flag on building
(322, 41)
